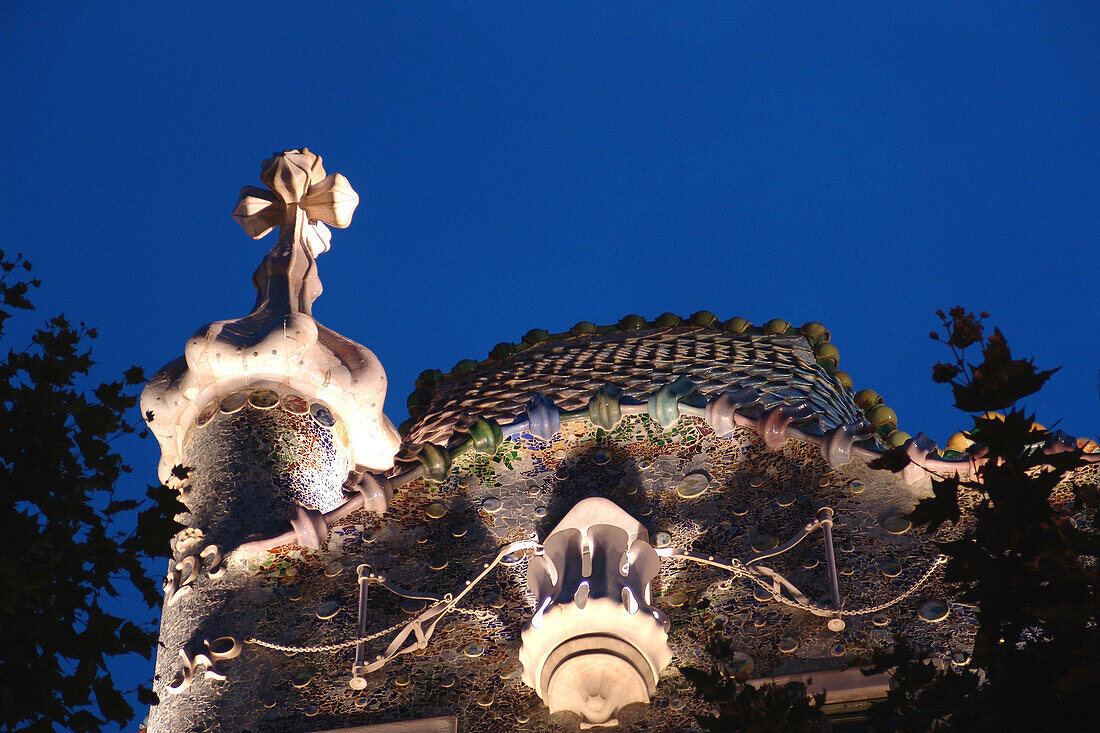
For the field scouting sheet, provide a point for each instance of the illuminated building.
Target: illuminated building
(557, 531)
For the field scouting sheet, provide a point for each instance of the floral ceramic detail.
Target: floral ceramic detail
(294, 404)
(322, 415)
(263, 399)
(234, 402)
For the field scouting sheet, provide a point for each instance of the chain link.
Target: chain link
(450, 601)
(302, 649)
(940, 560)
(738, 568)
(327, 647)
(735, 566)
(480, 614)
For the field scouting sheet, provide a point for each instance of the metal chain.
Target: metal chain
(735, 566)
(449, 601)
(303, 649)
(738, 568)
(940, 560)
(327, 647)
(481, 614)
(384, 632)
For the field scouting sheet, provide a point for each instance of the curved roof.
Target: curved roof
(569, 368)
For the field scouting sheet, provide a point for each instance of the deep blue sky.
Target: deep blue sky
(533, 165)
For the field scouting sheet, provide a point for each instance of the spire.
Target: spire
(279, 344)
(301, 201)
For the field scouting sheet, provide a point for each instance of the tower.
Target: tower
(272, 415)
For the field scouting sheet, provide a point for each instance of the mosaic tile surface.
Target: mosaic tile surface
(254, 458)
(691, 488)
(781, 367)
(281, 451)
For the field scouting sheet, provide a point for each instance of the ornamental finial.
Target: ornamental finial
(279, 345)
(300, 200)
(297, 181)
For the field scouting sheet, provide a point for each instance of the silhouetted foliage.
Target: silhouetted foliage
(942, 506)
(740, 706)
(1026, 564)
(922, 698)
(995, 384)
(70, 541)
(894, 460)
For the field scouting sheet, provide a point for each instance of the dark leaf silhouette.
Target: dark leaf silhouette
(893, 460)
(743, 707)
(66, 529)
(942, 507)
(1028, 567)
(999, 381)
(134, 375)
(943, 372)
(146, 696)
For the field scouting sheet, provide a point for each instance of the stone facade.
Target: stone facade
(563, 527)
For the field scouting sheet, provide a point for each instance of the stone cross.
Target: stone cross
(297, 181)
(279, 345)
(301, 200)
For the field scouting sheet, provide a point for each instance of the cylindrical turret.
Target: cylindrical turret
(261, 423)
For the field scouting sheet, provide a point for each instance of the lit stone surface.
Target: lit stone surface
(279, 342)
(594, 645)
(736, 461)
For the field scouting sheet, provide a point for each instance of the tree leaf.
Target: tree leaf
(942, 506)
(146, 696)
(111, 703)
(893, 460)
(999, 381)
(63, 513)
(121, 505)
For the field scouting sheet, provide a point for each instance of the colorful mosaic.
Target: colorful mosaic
(263, 639)
(782, 367)
(281, 451)
(692, 489)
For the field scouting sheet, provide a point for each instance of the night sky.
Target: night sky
(535, 165)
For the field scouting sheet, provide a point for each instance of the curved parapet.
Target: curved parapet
(279, 345)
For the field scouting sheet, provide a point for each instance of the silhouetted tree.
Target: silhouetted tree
(69, 541)
(738, 706)
(1022, 559)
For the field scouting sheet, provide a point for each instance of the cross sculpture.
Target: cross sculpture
(279, 345)
(300, 200)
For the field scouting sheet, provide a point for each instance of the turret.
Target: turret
(262, 423)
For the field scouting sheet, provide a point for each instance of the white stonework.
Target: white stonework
(279, 345)
(595, 645)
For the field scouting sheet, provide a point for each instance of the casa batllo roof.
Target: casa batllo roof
(414, 591)
(639, 358)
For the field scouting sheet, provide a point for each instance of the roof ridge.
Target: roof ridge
(817, 336)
